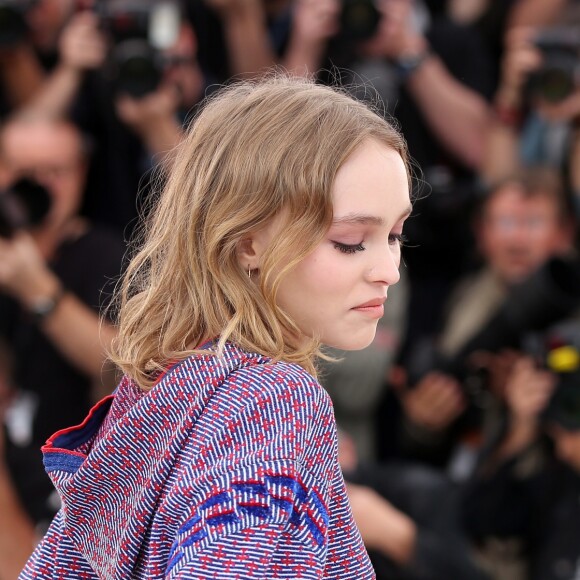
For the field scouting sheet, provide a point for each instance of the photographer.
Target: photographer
(520, 224)
(29, 37)
(521, 507)
(132, 98)
(52, 288)
(537, 103)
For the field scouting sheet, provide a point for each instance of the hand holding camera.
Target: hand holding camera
(543, 67)
(396, 35)
(23, 271)
(434, 402)
(125, 38)
(82, 44)
(144, 112)
(527, 391)
(520, 60)
(316, 21)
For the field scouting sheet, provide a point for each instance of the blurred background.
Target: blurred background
(460, 425)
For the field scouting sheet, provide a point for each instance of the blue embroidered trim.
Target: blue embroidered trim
(253, 505)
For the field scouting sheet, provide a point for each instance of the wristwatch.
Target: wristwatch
(43, 307)
(406, 65)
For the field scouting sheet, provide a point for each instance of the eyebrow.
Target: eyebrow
(363, 219)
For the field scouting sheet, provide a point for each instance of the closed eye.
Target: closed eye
(349, 248)
(397, 239)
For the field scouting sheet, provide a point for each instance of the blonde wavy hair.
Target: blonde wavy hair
(255, 151)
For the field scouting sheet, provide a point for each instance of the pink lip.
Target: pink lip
(373, 307)
(375, 302)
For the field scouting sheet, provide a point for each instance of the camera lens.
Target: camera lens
(137, 70)
(560, 50)
(359, 19)
(24, 204)
(554, 84)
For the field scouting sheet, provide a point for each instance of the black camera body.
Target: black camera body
(359, 19)
(22, 205)
(548, 296)
(560, 71)
(13, 27)
(139, 31)
(558, 351)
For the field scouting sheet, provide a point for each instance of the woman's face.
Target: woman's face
(336, 293)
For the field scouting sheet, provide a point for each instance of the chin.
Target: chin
(352, 342)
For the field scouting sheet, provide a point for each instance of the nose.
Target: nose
(384, 269)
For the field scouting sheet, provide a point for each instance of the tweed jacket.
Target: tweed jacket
(226, 469)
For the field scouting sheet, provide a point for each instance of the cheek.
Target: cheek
(315, 282)
(329, 269)
(317, 273)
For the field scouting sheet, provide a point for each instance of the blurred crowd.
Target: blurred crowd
(460, 424)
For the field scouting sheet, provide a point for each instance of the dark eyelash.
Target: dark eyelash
(349, 249)
(400, 238)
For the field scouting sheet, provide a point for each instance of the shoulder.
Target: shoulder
(257, 379)
(286, 381)
(264, 410)
(286, 394)
(247, 403)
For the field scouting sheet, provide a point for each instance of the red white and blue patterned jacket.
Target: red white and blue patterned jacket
(226, 469)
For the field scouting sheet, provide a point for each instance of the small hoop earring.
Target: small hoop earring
(249, 272)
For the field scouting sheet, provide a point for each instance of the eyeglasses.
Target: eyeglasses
(507, 225)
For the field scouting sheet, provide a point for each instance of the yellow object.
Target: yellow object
(564, 359)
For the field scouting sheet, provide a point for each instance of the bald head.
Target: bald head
(50, 152)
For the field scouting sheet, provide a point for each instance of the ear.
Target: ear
(248, 253)
(252, 247)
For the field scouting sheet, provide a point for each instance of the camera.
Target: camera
(22, 205)
(13, 27)
(139, 30)
(546, 297)
(359, 19)
(559, 74)
(558, 350)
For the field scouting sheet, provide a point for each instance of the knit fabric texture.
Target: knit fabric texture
(226, 469)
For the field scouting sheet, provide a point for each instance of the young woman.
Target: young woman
(278, 231)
